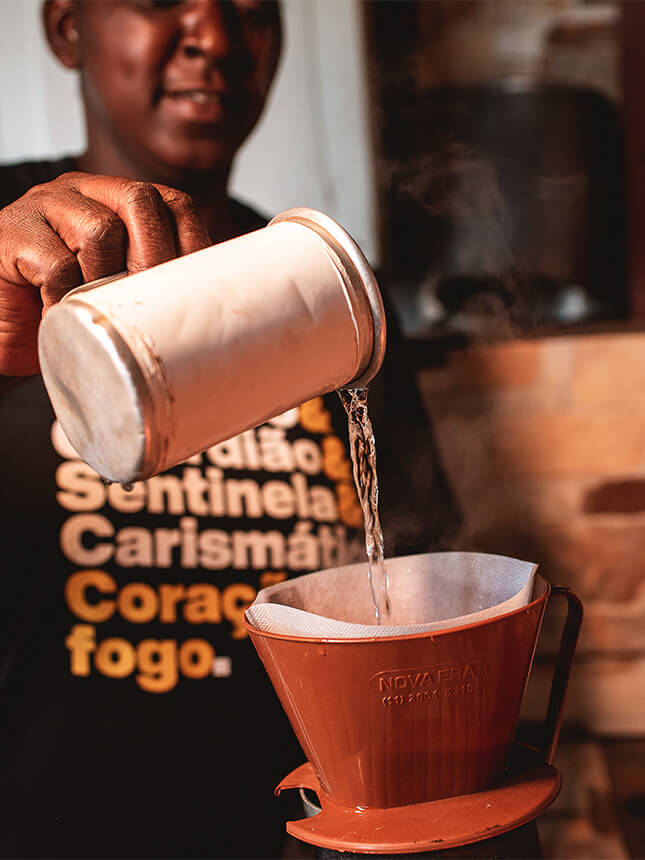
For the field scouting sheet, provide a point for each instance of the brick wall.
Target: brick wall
(544, 442)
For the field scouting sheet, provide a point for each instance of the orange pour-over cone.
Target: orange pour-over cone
(393, 724)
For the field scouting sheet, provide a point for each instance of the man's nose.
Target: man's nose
(210, 29)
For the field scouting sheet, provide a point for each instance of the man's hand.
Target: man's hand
(73, 230)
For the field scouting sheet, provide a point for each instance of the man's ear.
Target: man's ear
(61, 29)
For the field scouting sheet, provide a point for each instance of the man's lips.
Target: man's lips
(198, 94)
(200, 103)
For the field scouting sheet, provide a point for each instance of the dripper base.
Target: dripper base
(528, 788)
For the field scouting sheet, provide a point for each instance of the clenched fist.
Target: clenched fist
(73, 230)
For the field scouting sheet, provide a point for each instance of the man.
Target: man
(136, 720)
(170, 91)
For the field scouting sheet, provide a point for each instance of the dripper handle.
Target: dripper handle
(562, 671)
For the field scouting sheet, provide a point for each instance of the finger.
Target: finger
(20, 312)
(32, 254)
(147, 220)
(54, 273)
(94, 233)
(191, 233)
(36, 269)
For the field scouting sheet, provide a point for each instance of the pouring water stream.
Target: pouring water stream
(363, 453)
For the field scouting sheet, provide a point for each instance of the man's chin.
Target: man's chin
(195, 163)
(201, 149)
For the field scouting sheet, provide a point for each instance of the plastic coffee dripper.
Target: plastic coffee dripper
(408, 728)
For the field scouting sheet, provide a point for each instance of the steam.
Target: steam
(455, 236)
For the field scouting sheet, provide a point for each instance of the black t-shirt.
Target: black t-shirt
(136, 719)
(16, 179)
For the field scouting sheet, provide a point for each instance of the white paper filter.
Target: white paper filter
(428, 592)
